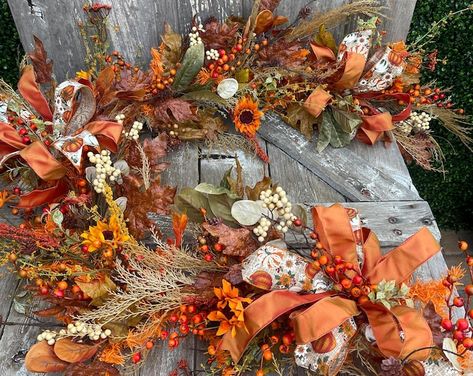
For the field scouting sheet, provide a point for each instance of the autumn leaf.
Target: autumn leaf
(434, 320)
(325, 38)
(236, 185)
(237, 242)
(156, 64)
(330, 132)
(300, 119)
(43, 67)
(154, 149)
(219, 35)
(49, 312)
(174, 110)
(156, 199)
(170, 47)
(179, 224)
(262, 185)
(41, 358)
(104, 92)
(73, 352)
(95, 368)
(95, 287)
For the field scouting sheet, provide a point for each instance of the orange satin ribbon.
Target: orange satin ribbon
(327, 311)
(372, 127)
(37, 155)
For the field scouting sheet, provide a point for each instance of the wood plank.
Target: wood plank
(301, 184)
(392, 221)
(183, 170)
(342, 169)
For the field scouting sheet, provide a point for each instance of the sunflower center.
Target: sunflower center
(108, 235)
(246, 117)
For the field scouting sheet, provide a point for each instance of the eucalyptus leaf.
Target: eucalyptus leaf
(122, 202)
(205, 96)
(191, 63)
(211, 189)
(57, 217)
(19, 307)
(122, 166)
(90, 174)
(247, 212)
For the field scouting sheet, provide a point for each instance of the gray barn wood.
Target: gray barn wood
(373, 179)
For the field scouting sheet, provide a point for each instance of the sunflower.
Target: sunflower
(247, 117)
(104, 234)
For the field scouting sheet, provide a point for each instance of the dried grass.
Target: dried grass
(334, 17)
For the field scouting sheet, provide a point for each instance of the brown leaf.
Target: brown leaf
(237, 242)
(49, 312)
(95, 368)
(283, 53)
(262, 185)
(73, 352)
(155, 150)
(218, 35)
(43, 67)
(171, 47)
(236, 185)
(41, 358)
(174, 110)
(269, 4)
(434, 320)
(97, 287)
(103, 87)
(234, 274)
(156, 199)
(300, 119)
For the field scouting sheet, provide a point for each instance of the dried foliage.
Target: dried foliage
(237, 242)
(43, 67)
(335, 16)
(219, 35)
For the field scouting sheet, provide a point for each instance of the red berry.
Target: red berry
(446, 283)
(357, 279)
(149, 345)
(183, 319)
(173, 318)
(470, 313)
(173, 342)
(184, 328)
(197, 319)
(467, 343)
(458, 335)
(164, 334)
(26, 140)
(208, 257)
(337, 260)
(44, 290)
(436, 97)
(462, 324)
(17, 191)
(192, 308)
(287, 339)
(64, 209)
(458, 302)
(446, 324)
(85, 249)
(23, 132)
(222, 52)
(442, 96)
(59, 293)
(297, 222)
(219, 247)
(238, 47)
(136, 358)
(469, 289)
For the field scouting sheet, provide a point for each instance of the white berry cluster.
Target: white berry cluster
(77, 329)
(119, 118)
(134, 132)
(194, 35)
(276, 201)
(103, 169)
(417, 122)
(212, 54)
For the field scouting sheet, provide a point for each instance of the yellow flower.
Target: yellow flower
(104, 234)
(83, 75)
(247, 117)
(5, 197)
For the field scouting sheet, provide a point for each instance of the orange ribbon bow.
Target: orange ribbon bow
(328, 310)
(36, 154)
(353, 54)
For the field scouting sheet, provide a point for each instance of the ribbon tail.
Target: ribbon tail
(321, 318)
(40, 197)
(355, 63)
(42, 162)
(107, 132)
(333, 227)
(386, 324)
(29, 89)
(317, 101)
(401, 262)
(373, 127)
(10, 140)
(261, 313)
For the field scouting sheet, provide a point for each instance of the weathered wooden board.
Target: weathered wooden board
(345, 171)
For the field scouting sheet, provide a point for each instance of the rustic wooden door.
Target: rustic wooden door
(372, 179)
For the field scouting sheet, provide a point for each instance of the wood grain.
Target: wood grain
(345, 171)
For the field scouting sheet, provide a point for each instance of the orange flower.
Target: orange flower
(5, 197)
(203, 77)
(247, 117)
(112, 354)
(228, 294)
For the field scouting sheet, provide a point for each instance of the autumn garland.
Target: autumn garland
(85, 183)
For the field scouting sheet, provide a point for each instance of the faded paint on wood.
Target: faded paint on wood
(345, 171)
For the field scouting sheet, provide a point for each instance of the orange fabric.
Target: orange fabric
(261, 313)
(317, 101)
(40, 197)
(326, 312)
(355, 63)
(322, 52)
(340, 310)
(373, 127)
(29, 89)
(107, 132)
(42, 162)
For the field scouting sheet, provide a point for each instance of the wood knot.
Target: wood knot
(427, 221)
(365, 192)
(392, 220)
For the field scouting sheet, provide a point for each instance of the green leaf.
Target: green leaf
(390, 286)
(348, 121)
(57, 217)
(211, 189)
(191, 63)
(221, 206)
(224, 182)
(190, 201)
(325, 133)
(380, 295)
(242, 75)
(205, 96)
(325, 38)
(386, 303)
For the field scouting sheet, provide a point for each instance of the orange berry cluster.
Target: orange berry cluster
(187, 320)
(346, 280)
(210, 250)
